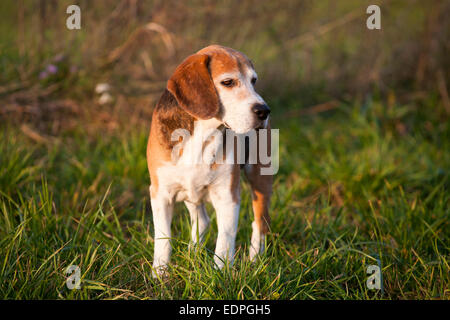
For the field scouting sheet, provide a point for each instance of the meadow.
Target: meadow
(364, 173)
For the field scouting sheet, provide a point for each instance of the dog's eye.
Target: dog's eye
(228, 82)
(253, 81)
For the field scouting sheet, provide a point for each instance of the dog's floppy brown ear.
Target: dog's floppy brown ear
(193, 88)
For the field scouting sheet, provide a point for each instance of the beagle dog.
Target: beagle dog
(211, 89)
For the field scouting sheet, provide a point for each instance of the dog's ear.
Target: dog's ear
(193, 88)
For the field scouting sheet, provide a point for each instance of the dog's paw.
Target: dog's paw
(160, 272)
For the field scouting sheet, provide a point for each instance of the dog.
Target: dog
(211, 89)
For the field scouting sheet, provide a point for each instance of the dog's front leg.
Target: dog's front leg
(227, 212)
(162, 209)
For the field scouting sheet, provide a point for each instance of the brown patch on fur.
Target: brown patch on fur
(171, 117)
(167, 117)
(261, 193)
(193, 88)
(214, 166)
(235, 186)
(260, 204)
(225, 59)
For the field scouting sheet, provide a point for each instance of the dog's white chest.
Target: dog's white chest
(189, 176)
(190, 183)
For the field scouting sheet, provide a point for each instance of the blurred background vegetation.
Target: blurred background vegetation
(307, 53)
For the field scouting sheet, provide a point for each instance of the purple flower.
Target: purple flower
(52, 69)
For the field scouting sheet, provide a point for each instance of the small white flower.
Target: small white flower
(102, 88)
(105, 98)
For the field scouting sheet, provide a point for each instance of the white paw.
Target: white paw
(160, 271)
(218, 263)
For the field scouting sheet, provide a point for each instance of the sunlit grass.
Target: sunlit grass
(350, 190)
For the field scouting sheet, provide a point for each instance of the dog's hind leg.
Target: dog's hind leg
(261, 186)
(199, 221)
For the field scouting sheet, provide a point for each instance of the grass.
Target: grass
(354, 186)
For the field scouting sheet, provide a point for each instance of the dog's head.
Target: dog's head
(218, 82)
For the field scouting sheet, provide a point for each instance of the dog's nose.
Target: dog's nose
(261, 110)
